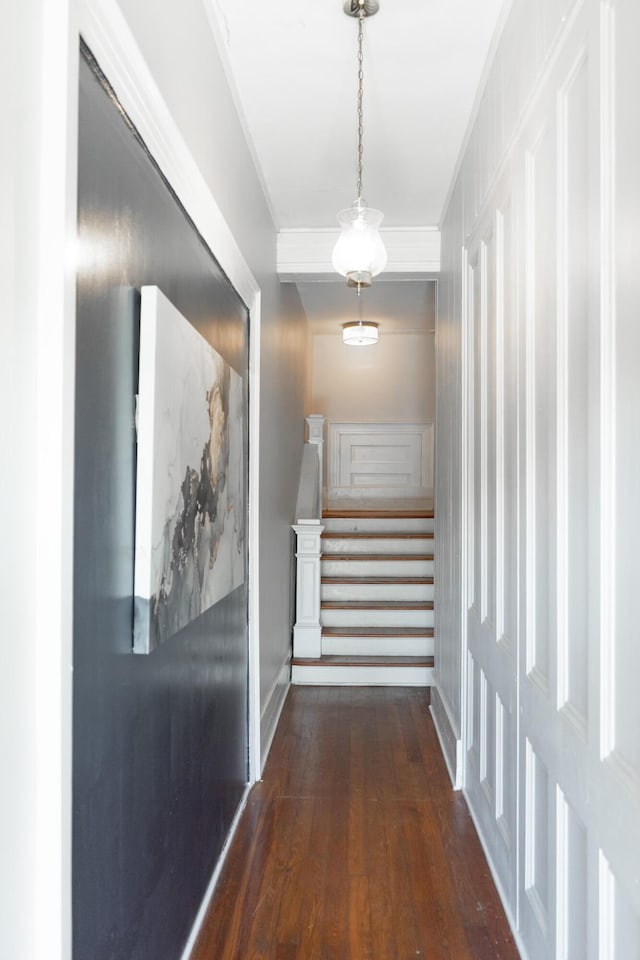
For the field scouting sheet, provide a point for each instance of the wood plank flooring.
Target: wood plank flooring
(354, 846)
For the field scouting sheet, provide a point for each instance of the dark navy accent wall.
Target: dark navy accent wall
(160, 741)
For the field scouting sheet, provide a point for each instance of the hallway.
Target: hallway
(354, 846)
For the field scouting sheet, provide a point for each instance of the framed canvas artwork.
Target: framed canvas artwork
(190, 538)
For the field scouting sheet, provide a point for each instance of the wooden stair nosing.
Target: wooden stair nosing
(378, 514)
(378, 581)
(377, 556)
(394, 605)
(359, 535)
(390, 632)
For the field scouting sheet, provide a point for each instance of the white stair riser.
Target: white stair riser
(376, 568)
(376, 618)
(377, 591)
(363, 676)
(378, 646)
(379, 525)
(392, 545)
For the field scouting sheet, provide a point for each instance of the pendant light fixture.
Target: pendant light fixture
(360, 333)
(359, 255)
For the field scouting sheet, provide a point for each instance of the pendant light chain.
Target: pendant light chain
(359, 253)
(360, 97)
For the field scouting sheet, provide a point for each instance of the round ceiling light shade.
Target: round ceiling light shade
(359, 334)
(359, 255)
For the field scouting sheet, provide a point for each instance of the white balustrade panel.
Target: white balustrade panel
(381, 459)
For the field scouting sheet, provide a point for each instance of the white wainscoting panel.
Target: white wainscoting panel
(621, 377)
(537, 505)
(380, 459)
(572, 872)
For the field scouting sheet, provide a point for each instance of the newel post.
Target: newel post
(307, 631)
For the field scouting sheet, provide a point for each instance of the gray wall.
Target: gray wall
(160, 741)
(177, 43)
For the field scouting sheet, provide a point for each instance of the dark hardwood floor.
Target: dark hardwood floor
(354, 847)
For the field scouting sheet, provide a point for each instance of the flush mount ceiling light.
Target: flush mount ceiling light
(359, 255)
(360, 333)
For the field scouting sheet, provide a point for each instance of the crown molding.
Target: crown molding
(306, 254)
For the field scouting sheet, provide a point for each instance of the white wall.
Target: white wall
(38, 59)
(18, 740)
(536, 494)
(36, 389)
(393, 380)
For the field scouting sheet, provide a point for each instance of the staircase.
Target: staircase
(376, 598)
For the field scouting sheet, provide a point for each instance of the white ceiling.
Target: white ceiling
(293, 65)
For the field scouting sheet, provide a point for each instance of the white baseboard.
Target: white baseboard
(450, 744)
(271, 713)
(452, 750)
(206, 900)
(524, 954)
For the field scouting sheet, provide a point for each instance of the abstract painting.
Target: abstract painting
(190, 538)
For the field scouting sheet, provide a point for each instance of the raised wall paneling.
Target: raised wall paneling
(473, 716)
(472, 413)
(575, 564)
(537, 823)
(607, 376)
(394, 459)
(546, 215)
(620, 373)
(619, 920)
(448, 615)
(487, 740)
(507, 386)
(606, 908)
(491, 380)
(620, 467)
(505, 781)
(559, 513)
(541, 199)
(571, 883)
(626, 926)
(489, 426)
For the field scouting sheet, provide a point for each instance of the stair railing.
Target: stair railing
(308, 528)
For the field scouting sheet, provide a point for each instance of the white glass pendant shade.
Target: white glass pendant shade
(358, 334)
(359, 253)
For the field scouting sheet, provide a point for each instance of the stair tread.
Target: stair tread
(377, 581)
(378, 514)
(382, 535)
(383, 638)
(377, 632)
(377, 556)
(377, 605)
(343, 660)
